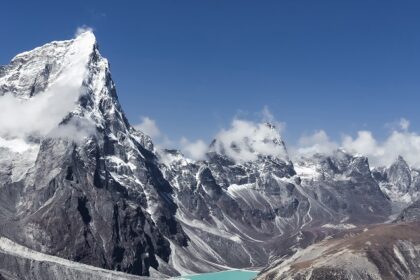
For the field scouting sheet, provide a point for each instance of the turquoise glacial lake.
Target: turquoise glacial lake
(223, 275)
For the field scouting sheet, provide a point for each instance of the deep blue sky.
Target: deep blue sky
(193, 65)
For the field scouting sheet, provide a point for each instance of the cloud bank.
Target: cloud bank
(318, 142)
(244, 140)
(194, 149)
(400, 142)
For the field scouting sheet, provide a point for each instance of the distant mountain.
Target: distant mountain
(399, 182)
(81, 185)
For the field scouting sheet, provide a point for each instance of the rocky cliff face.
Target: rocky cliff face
(86, 187)
(343, 187)
(400, 182)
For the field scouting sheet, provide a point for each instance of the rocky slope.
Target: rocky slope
(387, 251)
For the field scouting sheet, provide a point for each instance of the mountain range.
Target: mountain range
(85, 195)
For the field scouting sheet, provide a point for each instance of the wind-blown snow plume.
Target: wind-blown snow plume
(83, 29)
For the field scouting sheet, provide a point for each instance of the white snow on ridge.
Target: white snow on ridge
(306, 171)
(339, 226)
(177, 158)
(120, 163)
(233, 189)
(64, 64)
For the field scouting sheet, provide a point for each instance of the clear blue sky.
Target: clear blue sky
(193, 65)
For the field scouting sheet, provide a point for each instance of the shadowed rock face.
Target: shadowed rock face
(343, 187)
(231, 211)
(388, 251)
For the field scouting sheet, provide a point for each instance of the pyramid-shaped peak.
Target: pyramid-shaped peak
(401, 159)
(247, 141)
(400, 163)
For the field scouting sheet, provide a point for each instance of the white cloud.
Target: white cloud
(404, 124)
(319, 142)
(75, 129)
(82, 29)
(149, 127)
(195, 150)
(38, 115)
(399, 125)
(364, 144)
(192, 149)
(245, 140)
(268, 117)
(400, 142)
(43, 112)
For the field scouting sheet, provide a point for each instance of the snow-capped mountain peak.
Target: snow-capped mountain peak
(246, 141)
(62, 62)
(39, 88)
